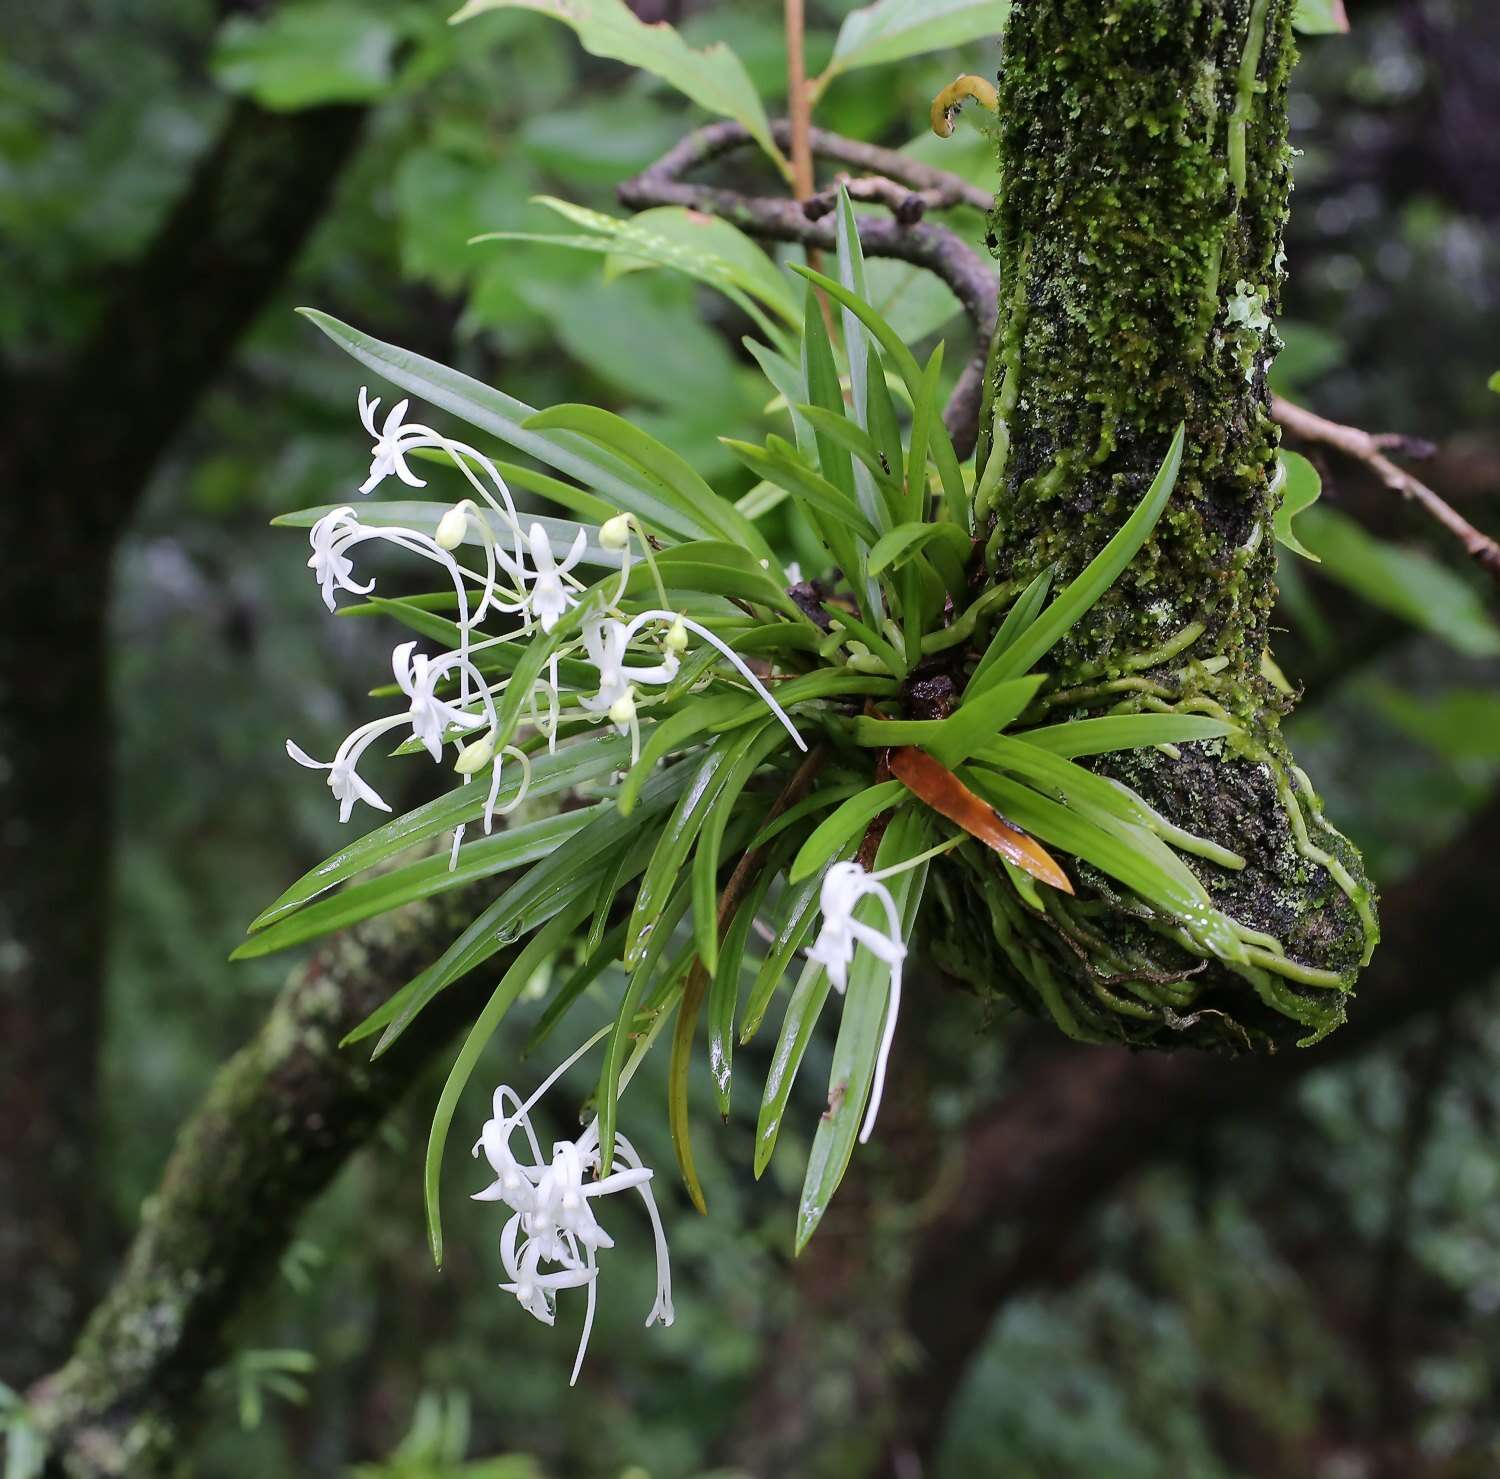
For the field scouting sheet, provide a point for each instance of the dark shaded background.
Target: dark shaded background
(1057, 1263)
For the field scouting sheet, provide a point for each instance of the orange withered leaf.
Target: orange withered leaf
(947, 795)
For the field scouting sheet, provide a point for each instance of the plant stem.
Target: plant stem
(799, 100)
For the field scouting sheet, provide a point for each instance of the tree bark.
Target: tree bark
(280, 1119)
(1144, 175)
(77, 448)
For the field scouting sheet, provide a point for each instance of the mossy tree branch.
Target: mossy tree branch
(1144, 179)
(280, 1119)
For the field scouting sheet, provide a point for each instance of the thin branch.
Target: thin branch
(799, 100)
(1370, 450)
(776, 218)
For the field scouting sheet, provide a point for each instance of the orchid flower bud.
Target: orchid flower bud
(452, 527)
(615, 533)
(622, 711)
(473, 758)
(676, 640)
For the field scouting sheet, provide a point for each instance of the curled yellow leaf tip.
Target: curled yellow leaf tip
(946, 105)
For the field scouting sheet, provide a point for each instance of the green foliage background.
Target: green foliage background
(1214, 1322)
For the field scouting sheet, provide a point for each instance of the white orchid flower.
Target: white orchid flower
(554, 1221)
(343, 780)
(388, 455)
(329, 539)
(550, 598)
(417, 676)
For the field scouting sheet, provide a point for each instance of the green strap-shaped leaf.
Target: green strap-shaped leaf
(724, 992)
(569, 768)
(597, 959)
(503, 417)
(940, 445)
(858, 1043)
(1079, 737)
(664, 870)
(544, 890)
(674, 477)
(1130, 854)
(778, 462)
(705, 867)
(849, 821)
(673, 734)
(713, 567)
(546, 942)
(1018, 621)
(802, 1013)
(963, 732)
(513, 848)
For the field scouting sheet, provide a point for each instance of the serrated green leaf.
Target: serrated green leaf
(891, 30)
(1406, 582)
(708, 248)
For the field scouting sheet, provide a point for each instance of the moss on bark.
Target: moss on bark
(280, 1119)
(1144, 182)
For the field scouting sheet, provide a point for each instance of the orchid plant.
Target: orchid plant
(747, 750)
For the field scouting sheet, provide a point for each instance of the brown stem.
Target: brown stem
(799, 100)
(1370, 450)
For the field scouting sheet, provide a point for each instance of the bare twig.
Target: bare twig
(776, 218)
(1369, 450)
(799, 101)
